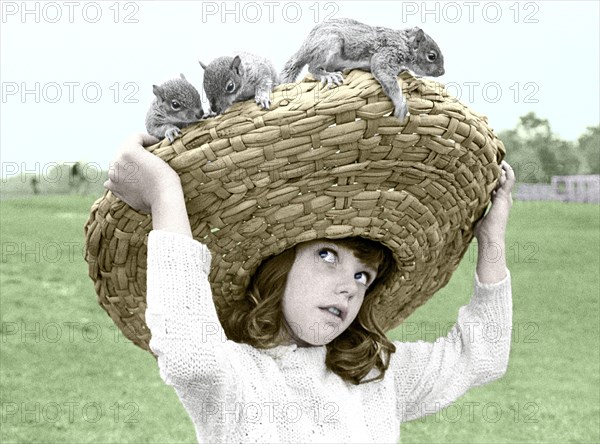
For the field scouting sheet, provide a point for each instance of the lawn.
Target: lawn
(67, 375)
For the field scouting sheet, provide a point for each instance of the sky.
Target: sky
(76, 77)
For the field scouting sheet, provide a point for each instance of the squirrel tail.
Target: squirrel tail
(291, 69)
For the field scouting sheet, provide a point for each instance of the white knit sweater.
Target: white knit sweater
(235, 393)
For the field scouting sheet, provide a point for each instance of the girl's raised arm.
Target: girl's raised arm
(187, 336)
(429, 376)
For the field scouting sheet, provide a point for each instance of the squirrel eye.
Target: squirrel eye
(175, 105)
(431, 56)
(230, 87)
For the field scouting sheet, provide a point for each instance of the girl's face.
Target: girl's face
(324, 291)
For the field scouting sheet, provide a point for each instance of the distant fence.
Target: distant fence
(578, 188)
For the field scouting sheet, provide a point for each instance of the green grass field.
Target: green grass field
(66, 375)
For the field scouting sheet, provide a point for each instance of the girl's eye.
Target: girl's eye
(431, 56)
(230, 87)
(327, 256)
(175, 105)
(361, 277)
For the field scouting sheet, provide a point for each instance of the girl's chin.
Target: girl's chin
(319, 334)
(320, 341)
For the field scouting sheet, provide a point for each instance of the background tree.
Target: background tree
(589, 150)
(537, 154)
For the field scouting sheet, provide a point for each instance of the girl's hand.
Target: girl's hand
(491, 230)
(139, 178)
(493, 225)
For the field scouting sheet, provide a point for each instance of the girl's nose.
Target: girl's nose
(345, 285)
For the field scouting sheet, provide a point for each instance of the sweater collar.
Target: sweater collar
(283, 351)
(280, 351)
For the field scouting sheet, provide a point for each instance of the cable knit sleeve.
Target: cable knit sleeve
(193, 352)
(429, 376)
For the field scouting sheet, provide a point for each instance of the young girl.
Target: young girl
(296, 390)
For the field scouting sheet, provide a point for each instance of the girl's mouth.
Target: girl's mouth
(333, 312)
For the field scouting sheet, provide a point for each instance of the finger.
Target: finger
(501, 181)
(110, 186)
(117, 195)
(506, 168)
(510, 173)
(147, 140)
(502, 178)
(507, 178)
(143, 139)
(112, 174)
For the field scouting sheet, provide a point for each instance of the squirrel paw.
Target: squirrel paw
(331, 78)
(172, 134)
(263, 100)
(208, 114)
(401, 111)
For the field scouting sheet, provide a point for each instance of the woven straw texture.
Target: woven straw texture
(320, 163)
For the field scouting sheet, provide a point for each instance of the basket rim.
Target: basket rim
(413, 221)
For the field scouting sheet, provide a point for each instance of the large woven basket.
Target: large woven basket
(320, 163)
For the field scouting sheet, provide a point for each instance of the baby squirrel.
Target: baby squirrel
(233, 79)
(177, 105)
(339, 44)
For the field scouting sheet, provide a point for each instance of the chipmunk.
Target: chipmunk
(341, 44)
(233, 79)
(176, 105)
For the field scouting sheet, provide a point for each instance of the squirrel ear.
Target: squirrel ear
(158, 92)
(235, 64)
(417, 35)
(182, 76)
(202, 65)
